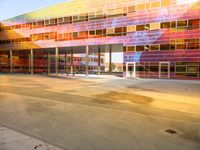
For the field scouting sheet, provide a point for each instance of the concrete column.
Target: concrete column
(11, 62)
(48, 63)
(86, 60)
(56, 60)
(31, 60)
(110, 59)
(71, 63)
(99, 60)
(65, 63)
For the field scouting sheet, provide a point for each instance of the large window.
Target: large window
(155, 26)
(165, 25)
(164, 46)
(140, 48)
(182, 23)
(193, 24)
(154, 47)
(142, 27)
(130, 48)
(187, 69)
(131, 28)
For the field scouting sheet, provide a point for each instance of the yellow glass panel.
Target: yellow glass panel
(165, 3)
(110, 30)
(119, 11)
(141, 7)
(155, 26)
(155, 4)
(147, 6)
(131, 28)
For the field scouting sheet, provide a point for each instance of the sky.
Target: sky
(11, 8)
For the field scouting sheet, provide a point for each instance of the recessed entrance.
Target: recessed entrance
(130, 70)
(164, 70)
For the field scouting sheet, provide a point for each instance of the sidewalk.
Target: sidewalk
(12, 140)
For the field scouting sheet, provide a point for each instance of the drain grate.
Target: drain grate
(171, 131)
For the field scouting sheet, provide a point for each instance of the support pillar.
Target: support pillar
(99, 60)
(110, 59)
(31, 61)
(65, 63)
(56, 60)
(71, 63)
(11, 62)
(86, 60)
(48, 63)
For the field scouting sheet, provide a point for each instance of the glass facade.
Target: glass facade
(159, 38)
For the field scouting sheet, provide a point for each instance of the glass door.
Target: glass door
(130, 70)
(164, 70)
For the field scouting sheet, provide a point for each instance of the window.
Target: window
(181, 46)
(193, 24)
(75, 18)
(130, 48)
(92, 33)
(181, 69)
(140, 27)
(34, 37)
(91, 15)
(193, 44)
(165, 47)
(165, 25)
(141, 7)
(99, 32)
(154, 47)
(119, 31)
(173, 46)
(131, 9)
(83, 34)
(83, 17)
(140, 48)
(75, 35)
(46, 22)
(173, 24)
(119, 12)
(47, 36)
(99, 14)
(40, 23)
(165, 3)
(68, 19)
(131, 28)
(155, 26)
(192, 69)
(155, 4)
(182, 23)
(110, 13)
(34, 25)
(53, 21)
(110, 31)
(60, 20)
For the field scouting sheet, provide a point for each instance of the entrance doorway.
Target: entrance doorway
(164, 70)
(130, 70)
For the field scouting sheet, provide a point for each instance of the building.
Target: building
(146, 38)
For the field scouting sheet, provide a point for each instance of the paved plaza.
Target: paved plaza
(64, 113)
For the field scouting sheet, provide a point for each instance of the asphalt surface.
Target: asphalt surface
(103, 114)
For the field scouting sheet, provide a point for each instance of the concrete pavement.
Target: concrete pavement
(109, 114)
